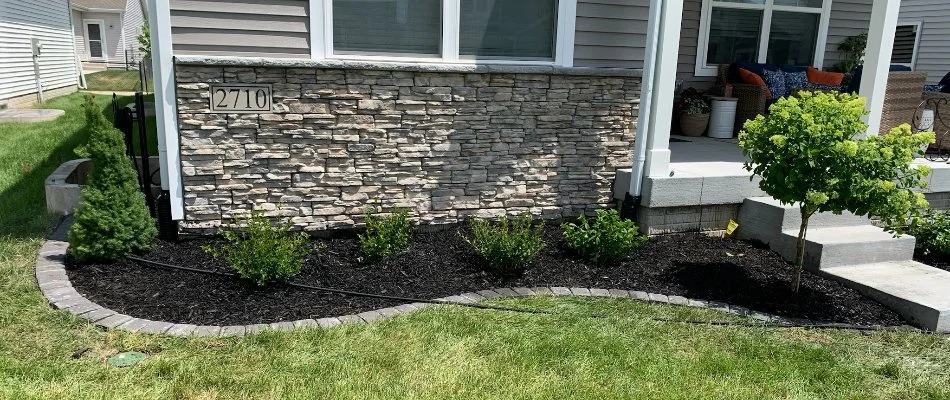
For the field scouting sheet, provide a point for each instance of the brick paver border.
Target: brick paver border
(54, 283)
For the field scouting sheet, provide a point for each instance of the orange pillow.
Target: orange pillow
(753, 78)
(824, 78)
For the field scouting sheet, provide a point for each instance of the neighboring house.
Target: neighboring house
(48, 22)
(106, 32)
(923, 37)
(457, 108)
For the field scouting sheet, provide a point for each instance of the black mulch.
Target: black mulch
(440, 264)
(941, 261)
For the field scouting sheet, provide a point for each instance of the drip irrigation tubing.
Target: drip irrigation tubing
(763, 324)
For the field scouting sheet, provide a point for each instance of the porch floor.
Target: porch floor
(715, 160)
(704, 156)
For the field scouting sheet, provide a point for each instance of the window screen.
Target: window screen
(905, 40)
(522, 29)
(387, 26)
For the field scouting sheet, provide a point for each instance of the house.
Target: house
(921, 41)
(106, 32)
(455, 108)
(314, 110)
(37, 30)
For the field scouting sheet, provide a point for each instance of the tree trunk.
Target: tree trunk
(800, 254)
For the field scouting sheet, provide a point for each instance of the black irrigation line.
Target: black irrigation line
(810, 325)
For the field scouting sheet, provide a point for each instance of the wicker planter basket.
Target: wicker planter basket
(694, 124)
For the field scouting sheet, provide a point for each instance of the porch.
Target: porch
(707, 183)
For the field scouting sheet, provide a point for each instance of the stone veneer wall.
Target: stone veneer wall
(446, 145)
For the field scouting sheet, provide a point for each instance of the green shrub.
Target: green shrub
(112, 221)
(809, 151)
(605, 239)
(506, 247)
(932, 231)
(385, 235)
(260, 251)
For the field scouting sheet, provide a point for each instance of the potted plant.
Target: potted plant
(694, 116)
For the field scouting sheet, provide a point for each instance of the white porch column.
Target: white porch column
(163, 77)
(877, 59)
(660, 111)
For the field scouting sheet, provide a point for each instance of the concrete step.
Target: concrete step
(772, 213)
(845, 245)
(918, 292)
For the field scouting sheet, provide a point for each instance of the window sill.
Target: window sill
(425, 65)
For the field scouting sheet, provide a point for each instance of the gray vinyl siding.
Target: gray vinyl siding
(933, 53)
(689, 47)
(611, 33)
(848, 18)
(133, 21)
(80, 34)
(254, 28)
(47, 20)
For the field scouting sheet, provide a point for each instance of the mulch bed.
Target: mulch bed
(439, 264)
(941, 261)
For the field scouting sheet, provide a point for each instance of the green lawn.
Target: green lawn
(445, 352)
(118, 80)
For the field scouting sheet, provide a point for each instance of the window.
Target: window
(456, 31)
(522, 29)
(791, 32)
(906, 40)
(387, 27)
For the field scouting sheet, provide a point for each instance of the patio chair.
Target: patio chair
(901, 98)
(752, 98)
(940, 104)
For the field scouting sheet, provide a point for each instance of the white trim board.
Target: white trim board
(321, 38)
(824, 13)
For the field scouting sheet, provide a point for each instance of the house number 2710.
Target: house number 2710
(241, 98)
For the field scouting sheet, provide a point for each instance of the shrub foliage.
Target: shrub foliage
(385, 235)
(112, 221)
(808, 152)
(260, 251)
(506, 246)
(605, 239)
(932, 231)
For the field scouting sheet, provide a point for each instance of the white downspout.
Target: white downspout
(654, 26)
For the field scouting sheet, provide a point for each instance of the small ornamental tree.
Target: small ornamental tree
(145, 40)
(808, 151)
(112, 220)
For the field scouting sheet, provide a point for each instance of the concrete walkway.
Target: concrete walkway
(29, 115)
(917, 291)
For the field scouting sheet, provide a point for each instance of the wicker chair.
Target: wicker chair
(901, 98)
(751, 97)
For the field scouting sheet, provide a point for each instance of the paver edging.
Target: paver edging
(54, 283)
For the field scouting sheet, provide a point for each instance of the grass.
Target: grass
(444, 352)
(118, 80)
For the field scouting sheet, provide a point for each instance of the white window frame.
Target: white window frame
(702, 48)
(321, 38)
(102, 39)
(920, 26)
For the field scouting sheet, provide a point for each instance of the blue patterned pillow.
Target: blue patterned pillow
(933, 88)
(775, 80)
(795, 80)
(824, 88)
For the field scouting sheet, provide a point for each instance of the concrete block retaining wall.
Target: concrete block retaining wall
(446, 145)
